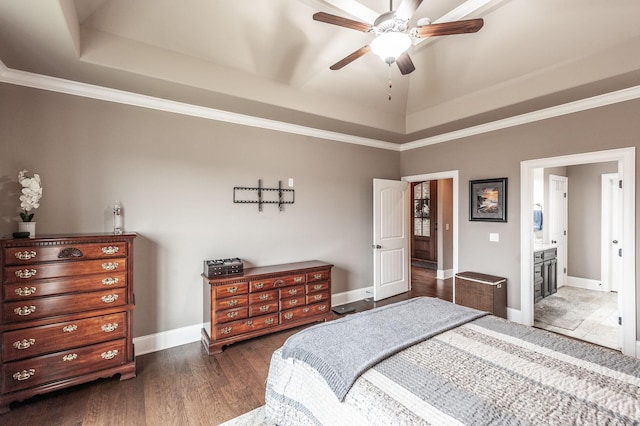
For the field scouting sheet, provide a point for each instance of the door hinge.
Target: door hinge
(620, 183)
(565, 232)
(619, 320)
(619, 252)
(565, 195)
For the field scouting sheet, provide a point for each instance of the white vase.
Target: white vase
(29, 227)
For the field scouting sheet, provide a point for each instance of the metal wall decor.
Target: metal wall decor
(279, 195)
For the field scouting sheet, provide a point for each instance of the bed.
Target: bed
(427, 361)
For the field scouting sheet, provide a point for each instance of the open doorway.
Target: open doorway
(444, 221)
(625, 160)
(571, 297)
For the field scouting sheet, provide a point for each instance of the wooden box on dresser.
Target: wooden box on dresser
(264, 300)
(67, 304)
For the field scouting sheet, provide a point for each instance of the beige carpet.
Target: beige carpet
(252, 418)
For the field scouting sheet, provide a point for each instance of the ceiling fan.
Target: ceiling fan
(393, 35)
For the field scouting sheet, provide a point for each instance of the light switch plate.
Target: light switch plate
(494, 236)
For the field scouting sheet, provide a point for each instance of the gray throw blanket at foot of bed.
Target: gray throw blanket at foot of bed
(343, 349)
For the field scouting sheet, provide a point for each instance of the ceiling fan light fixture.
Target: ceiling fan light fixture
(388, 46)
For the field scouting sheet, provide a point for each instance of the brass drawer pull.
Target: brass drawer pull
(226, 330)
(317, 276)
(293, 291)
(69, 357)
(108, 328)
(24, 374)
(317, 297)
(232, 289)
(25, 310)
(250, 322)
(317, 287)
(278, 283)
(322, 307)
(109, 298)
(264, 296)
(25, 255)
(24, 344)
(25, 273)
(110, 250)
(288, 315)
(110, 266)
(269, 321)
(298, 279)
(233, 302)
(109, 354)
(293, 302)
(110, 281)
(264, 308)
(258, 286)
(69, 328)
(305, 310)
(25, 291)
(232, 314)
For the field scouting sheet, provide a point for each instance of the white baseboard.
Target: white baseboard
(351, 296)
(443, 274)
(514, 315)
(167, 339)
(585, 283)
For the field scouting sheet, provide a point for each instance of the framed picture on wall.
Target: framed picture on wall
(488, 200)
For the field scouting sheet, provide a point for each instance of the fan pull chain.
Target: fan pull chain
(390, 85)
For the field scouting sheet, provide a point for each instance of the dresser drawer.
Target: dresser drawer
(34, 341)
(229, 290)
(231, 315)
(28, 273)
(292, 302)
(292, 291)
(317, 286)
(317, 297)
(286, 280)
(28, 255)
(235, 328)
(304, 312)
(264, 296)
(318, 276)
(263, 308)
(58, 305)
(60, 365)
(39, 288)
(232, 302)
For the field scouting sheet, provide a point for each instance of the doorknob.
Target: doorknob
(554, 242)
(376, 246)
(615, 241)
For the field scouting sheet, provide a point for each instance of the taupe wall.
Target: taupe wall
(584, 216)
(175, 176)
(498, 154)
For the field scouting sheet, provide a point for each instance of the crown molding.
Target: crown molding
(70, 87)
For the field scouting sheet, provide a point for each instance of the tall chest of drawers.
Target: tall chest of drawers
(264, 300)
(67, 305)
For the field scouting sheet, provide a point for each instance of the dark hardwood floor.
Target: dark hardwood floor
(183, 385)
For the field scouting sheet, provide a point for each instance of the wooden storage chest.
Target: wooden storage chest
(481, 291)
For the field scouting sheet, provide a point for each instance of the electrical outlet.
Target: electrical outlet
(290, 182)
(494, 236)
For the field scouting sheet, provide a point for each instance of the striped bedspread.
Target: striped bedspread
(488, 371)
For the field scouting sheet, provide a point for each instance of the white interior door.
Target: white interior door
(611, 234)
(391, 238)
(558, 222)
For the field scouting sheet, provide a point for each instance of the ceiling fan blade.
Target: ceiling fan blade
(407, 8)
(348, 59)
(405, 64)
(341, 22)
(450, 28)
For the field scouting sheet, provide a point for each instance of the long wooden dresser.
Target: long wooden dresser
(67, 305)
(264, 300)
